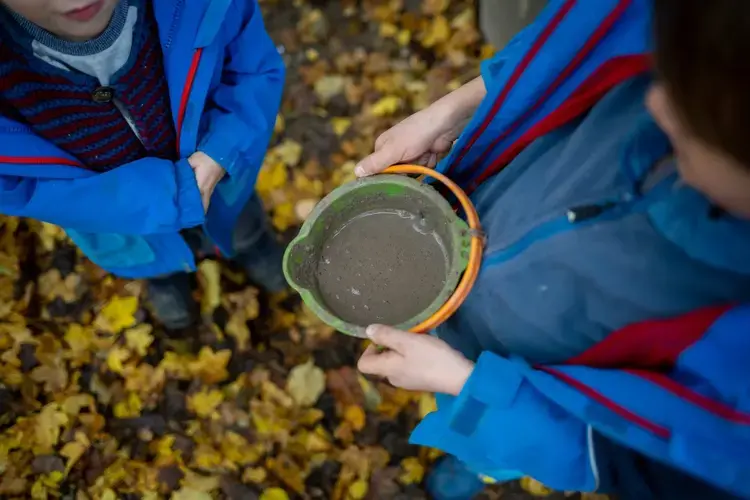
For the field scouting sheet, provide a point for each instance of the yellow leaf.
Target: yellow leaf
(211, 367)
(206, 457)
(74, 450)
(117, 314)
(284, 216)
(176, 365)
(209, 273)
(388, 30)
(117, 355)
(413, 471)
(433, 7)
(255, 475)
(130, 407)
(306, 383)
(329, 86)
(280, 124)
(358, 490)
(79, 338)
(438, 32)
(372, 396)
(138, 339)
(427, 404)
(289, 152)
(272, 176)
(205, 402)
(235, 448)
(387, 106)
(355, 415)
(237, 328)
(340, 125)
(190, 494)
(534, 487)
(199, 482)
(108, 494)
(47, 426)
(274, 494)
(404, 38)
(73, 405)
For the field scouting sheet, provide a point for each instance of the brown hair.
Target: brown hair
(703, 57)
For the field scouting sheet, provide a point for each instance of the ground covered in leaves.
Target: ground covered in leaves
(262, 400)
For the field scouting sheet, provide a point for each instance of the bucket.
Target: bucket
(384, 249)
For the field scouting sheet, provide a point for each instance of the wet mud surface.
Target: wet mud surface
(383, 266)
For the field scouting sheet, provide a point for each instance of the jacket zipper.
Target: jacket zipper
(581, 216)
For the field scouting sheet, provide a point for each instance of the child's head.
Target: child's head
(74, 20)
(703, 98)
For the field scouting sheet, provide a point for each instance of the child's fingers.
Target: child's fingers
(389, 337)
(375, 362)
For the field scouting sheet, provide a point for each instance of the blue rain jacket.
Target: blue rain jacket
(225, 80)
(593, 246)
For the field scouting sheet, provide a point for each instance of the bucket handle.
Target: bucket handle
(475, 252)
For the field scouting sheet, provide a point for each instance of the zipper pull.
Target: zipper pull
(586, 212)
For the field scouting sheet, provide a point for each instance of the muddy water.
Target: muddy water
(382, 267)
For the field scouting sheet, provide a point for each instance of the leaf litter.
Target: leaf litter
(262, 400)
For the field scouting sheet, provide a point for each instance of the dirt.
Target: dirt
(383, 266)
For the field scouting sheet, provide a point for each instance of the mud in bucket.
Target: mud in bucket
(385, 249)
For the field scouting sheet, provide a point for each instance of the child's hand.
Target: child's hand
(422, 137)
(208, 173)
(419, 139)
(415, 362)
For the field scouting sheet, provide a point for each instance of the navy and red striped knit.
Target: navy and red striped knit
(58, 105)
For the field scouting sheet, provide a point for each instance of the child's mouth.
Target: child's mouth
(87, 13)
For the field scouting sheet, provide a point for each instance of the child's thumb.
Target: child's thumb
(376, 162)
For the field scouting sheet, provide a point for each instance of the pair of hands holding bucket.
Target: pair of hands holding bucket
(416, 361)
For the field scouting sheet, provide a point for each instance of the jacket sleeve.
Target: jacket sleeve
(241, 113)
(583, 428)
(147, 196)
(500, 421)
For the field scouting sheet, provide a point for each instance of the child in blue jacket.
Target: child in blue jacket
(131, 123)
(613, 198)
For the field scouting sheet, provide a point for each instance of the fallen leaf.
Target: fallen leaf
(358, 490)
(355, 416)
(387, 106)
(138, 339)
(209, 273)
(190, 494)
(413, 471)
(274, 494)
(205, 402)
(329, 87)
(534, 487)
(211, 367)
(74, 450)
(256, 475)
(117, 314)
(306, 383)
(130, 407)
(115, 359)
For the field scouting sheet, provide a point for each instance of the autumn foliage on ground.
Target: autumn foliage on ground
(261, 400)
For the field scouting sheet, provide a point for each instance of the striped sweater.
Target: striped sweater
(73, 111)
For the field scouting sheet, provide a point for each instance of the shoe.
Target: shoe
(263, 264)
(172, 302)
(450, 479)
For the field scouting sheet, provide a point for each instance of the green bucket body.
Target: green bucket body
(353, 199)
